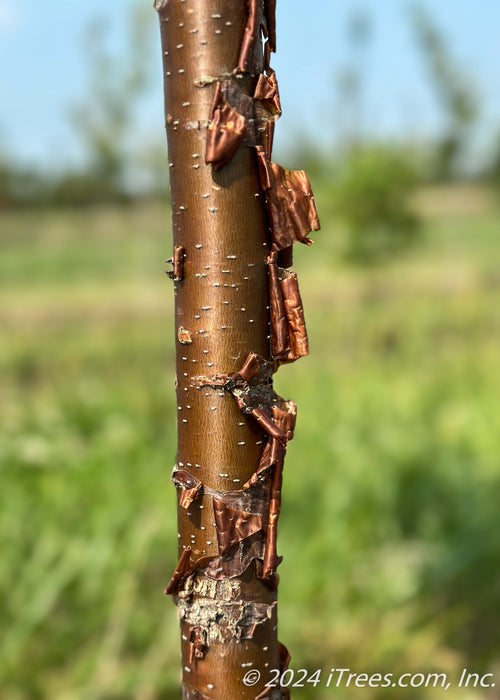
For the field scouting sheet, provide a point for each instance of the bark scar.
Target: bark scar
(184, 336)
(251, 385)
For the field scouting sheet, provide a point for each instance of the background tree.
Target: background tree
(105, 119)
(454, 89)
(373, 198)
(373, 181)
(350, 107)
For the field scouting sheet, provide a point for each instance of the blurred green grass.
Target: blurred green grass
(389, 519)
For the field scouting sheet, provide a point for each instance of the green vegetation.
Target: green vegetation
(372, 194)
(454, 89)
(391, 486)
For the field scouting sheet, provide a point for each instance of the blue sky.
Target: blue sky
(43, 69)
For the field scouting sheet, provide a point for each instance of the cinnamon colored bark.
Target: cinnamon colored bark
(221, 101)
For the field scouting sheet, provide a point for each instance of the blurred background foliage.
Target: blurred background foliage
(389, 521)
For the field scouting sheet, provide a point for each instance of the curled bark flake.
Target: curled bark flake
(252, 386)
(267, 94)
(255, 24)
(197, 644)
(236, 562)
(233, 526)
(269, 139)
(290, 202)
(267, 91)
(273, 453)
(299, 346)
(252, 617)
(284, 416)
(238, 119)
(267, 55)
(182, 570)
(268, 425)
(177, 262)
(249, 37)
(271, 559)
(184, 480)
(190, 487)
(255, 371)
(226, 131)
(279, 327)
(250, 368)
(270, 15)
(288, 328)
(187, 496)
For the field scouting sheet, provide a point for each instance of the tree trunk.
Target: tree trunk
(238, 316)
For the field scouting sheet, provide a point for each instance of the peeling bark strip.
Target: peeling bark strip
(267, 91)
(288, 328)
(290, 201)
(238, 119)
(268, 94)
(261, 17)
(177, 262)
(225, 133)
(299, 346)
(236, 215)
(233, 526)
(181, 571)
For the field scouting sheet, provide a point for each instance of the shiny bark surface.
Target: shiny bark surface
(221, 100)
